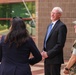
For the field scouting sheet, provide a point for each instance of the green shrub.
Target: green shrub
(3, 27)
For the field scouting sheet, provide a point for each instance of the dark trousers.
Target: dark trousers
(52, 69)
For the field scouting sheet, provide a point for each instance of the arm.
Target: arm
(35, 52)
(71, 61)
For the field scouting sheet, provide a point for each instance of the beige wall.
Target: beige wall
(43, 19)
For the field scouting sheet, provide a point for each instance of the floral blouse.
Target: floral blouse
(73, 68)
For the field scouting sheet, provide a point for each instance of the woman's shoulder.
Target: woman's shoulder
(30, 39)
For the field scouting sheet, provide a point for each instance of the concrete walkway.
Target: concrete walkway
(38, 69)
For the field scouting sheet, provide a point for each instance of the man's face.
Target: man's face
(55, 15)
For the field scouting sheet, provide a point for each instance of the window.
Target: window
(7, 11)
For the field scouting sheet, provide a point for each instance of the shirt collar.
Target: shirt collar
(54, 23)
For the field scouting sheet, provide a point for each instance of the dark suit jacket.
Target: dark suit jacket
(16, 61)
(55, 43)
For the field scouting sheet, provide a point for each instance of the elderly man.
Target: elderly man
(53, 43)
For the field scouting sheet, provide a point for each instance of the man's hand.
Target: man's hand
(44, 54)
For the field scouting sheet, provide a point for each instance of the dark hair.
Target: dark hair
(18, 32)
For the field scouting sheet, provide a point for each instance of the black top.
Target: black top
(15, 61)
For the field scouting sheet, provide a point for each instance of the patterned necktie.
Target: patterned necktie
(48, 32)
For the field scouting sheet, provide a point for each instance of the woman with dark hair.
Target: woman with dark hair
(15, 49)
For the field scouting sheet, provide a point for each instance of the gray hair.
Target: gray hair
(58, 8)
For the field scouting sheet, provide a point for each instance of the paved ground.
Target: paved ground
(38, 69)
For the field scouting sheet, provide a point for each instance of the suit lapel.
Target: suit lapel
(55, 26)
